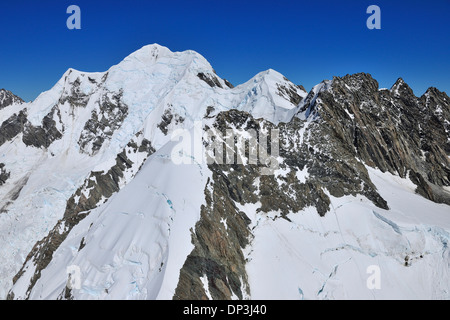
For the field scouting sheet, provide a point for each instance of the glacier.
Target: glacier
(133, 244)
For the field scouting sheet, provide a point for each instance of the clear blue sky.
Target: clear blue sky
(307, 41)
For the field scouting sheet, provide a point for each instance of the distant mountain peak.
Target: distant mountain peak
(8, 98)
(357, 81)
(436, 91)
(401, 88)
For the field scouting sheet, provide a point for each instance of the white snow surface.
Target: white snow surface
(151, 80)
(330, 257)
(137, 242)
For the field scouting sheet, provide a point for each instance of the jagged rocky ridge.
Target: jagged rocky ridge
(328, 140)
(392, 130)
(354, 124)
(8, 98)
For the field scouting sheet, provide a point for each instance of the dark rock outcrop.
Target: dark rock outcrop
(4, 175)
(39, 137)
(101, 126)
(228, 83)
(7, 98)
(218, 248)
(290, 92)
(391, 130)
(350, 124)
(12, 126)
(223, 231)
(75, 97)
(43, 136)
(167, 118)
(210, 79)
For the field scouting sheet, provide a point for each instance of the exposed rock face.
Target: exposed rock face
(435, 109)
(350, 123)
(167, 118)
(290, 93)
(210, 79)
(43, 136)
(39, 137)
(219, 238)
(104, 121)
(388, 129)
(12, 126)
(75, 96)
(228, 83)
(3, 174)
(223, 230)
(7, 98)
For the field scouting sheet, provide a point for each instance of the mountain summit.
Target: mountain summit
(93, 205)
(7, 98)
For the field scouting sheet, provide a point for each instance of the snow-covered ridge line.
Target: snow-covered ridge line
(129, 98)
(84, 194)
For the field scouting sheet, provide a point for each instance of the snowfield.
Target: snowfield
(330, 257)
(136, 241)
(133, 245)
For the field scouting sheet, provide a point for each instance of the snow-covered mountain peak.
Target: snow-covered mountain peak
(268, 76)
(155, 53)
(150, 51)
(150, 78)
(87, 181)
(269, 73)
(271, 96)
(156, 61)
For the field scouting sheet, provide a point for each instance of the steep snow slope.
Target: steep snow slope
(91, 185)
(137, 242)
(141, 234)
(84, 122)
(313, 257)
